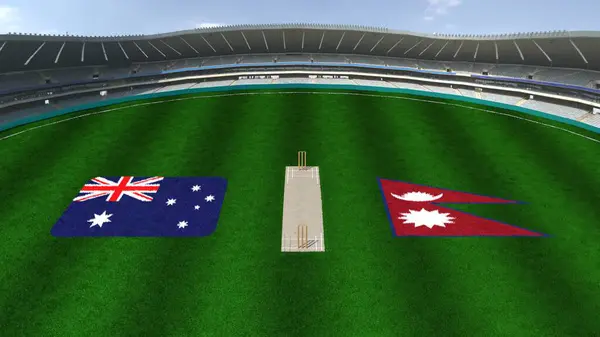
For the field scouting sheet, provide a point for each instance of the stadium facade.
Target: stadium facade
(555, 72)
(559, 49)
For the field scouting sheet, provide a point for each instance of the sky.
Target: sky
(124, 17)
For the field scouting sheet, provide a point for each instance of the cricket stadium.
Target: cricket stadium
(300, 180)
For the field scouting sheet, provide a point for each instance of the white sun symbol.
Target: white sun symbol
(417, 196)
(426, 218)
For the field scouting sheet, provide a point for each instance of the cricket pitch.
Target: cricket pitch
(302, 227)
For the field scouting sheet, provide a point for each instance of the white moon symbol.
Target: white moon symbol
(429, 198)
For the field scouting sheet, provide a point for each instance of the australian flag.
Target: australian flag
(144, 206)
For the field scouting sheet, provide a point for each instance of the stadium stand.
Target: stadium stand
(374, 83)
(468, 93)
(329, 58)
(559, 110)
(253, 81)
(294, 58)
(18, 80)
(296, 80)
(581, 78)
(440, 88)
(431, 65)
(175, 87)
(512, 71)
(479, 68)
(223, 83)
(37, 67)
(502, 98)
(461, 67)
(401, 63)
(364, 60)
(593, 120)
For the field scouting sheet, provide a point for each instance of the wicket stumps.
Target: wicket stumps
(302, 236)
(301, 159)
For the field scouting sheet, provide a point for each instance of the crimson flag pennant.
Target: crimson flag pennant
(415, 210)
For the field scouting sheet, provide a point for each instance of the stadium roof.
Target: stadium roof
(21, 52)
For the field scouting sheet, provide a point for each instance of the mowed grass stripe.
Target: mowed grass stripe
(34, 160)
(578, 160)
(366, 297)
(126, 266)
(143, 144)
(448, 281)
(182, 267)
(565, 265)
(227, 278)
(295, 290)
(34, 193)
(260, 195)
(30, 154)
(327, 289)
(534, 261)
(368, 221)
(497, 275)
(432, 282)
(66, 260)
(251, 222)
(553, 189)
(440, 265)
(49, 187)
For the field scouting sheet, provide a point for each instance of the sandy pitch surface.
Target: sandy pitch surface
(302, 205)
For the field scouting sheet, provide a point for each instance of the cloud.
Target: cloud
(9, 19)
(209, 25)
(437, 8)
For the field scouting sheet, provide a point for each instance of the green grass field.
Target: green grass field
(369, 283)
